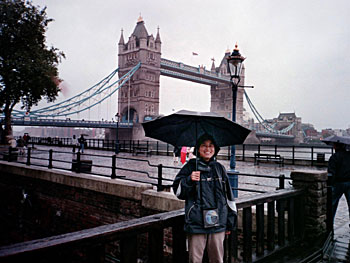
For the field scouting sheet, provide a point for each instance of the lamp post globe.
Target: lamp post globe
(117, 137)
(234, 66)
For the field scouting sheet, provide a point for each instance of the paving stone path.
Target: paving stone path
(142, 164)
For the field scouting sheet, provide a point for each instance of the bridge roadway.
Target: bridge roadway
(67, 123)
(341, 245)
(102, 124)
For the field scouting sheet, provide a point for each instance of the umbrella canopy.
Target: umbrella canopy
(337, 139)
(183, 128)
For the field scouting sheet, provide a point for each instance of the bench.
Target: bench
(141, 150)
(85, 165)
(268, 158)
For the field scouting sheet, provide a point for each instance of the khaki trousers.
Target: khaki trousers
(214, 244)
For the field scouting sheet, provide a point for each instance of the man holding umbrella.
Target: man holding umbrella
(210, 210)
(339, 167)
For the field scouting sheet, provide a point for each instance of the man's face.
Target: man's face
(207, 150)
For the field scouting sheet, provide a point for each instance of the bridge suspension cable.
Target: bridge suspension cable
(84, 100)
(269, 127)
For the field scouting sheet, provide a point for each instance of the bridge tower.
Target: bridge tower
(139, 99)
(221, 95)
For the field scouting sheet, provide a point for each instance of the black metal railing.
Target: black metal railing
(114, 166)
(314, 154)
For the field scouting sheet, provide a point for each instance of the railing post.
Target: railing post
(155, 245)
(258, 148)
(78, 162)
(50, 158)
(260, 229)
(293, 154)
(114, 158)
(10, 154)
(247, 234)
(243, 152)
(179, 242)
(28, 155)
(160, 178)
(281, 179)
(275, 149)
(271, 225)
(167, 149)
(127, 249)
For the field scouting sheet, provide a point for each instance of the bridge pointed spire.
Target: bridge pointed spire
(158, 36)
(121, 40)
(213, 65)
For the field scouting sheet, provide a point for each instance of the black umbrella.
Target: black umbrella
(337, 139)
(183, 128)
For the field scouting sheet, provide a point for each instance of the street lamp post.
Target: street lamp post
(234, 66)
(117, 137)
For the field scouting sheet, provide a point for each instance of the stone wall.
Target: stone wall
(37, 202)
(315, 184)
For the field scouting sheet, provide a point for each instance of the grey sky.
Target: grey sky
(297, 51)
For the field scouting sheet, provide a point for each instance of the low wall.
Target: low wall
(38, 202)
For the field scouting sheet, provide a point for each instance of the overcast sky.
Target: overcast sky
(297, 52)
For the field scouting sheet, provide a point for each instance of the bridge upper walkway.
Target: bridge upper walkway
(195, 74)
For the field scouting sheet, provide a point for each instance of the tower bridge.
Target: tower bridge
(140, 66)
(139, 99)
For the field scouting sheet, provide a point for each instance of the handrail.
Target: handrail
(285, 200)
(291, 153)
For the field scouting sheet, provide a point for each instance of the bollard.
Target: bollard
(281, 181)
(50, 158)
(28, 155)
(114, 158)
(160, 178)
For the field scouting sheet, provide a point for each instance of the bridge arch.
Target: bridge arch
(129, 115)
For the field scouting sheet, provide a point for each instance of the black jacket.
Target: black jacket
(209, 193)
(339, 166)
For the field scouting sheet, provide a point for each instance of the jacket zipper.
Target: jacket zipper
(189, 211)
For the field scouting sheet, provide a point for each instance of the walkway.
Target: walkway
(340, 248)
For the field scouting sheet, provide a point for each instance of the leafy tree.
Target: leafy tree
(28, 68)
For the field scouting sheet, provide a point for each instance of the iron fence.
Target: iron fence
(314, 154)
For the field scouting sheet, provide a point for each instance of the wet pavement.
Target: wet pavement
(145, 168)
